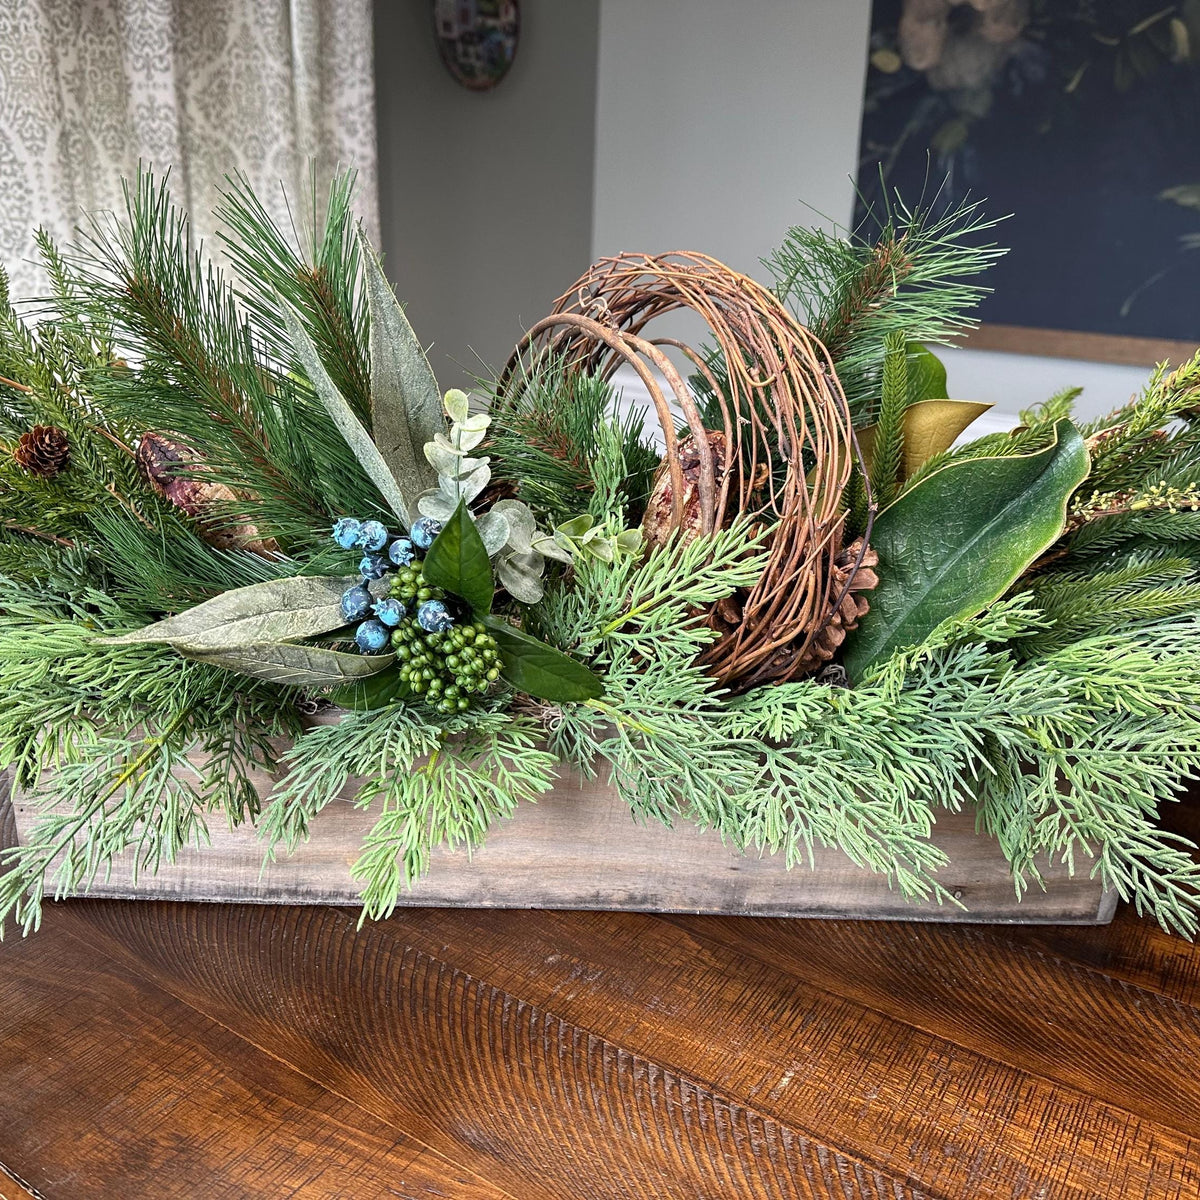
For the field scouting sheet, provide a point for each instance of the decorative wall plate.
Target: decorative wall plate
(477, 39)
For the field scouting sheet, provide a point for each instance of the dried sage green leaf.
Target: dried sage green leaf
(280, 609)
(348, 425)
(295, 666)
(406, 406)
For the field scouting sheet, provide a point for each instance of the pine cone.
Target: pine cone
(43, 451)
(853, 608)
(657, 524)
(161, 462)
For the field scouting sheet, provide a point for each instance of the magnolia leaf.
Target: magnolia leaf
(959, 538)
(348, 425)
(280, 609)
(406, 406)
(457, 405)
(294, 666)
(458, 562)
(539, 670)
(930, 427)
(494, 529)
(521, 574)
(926, 374)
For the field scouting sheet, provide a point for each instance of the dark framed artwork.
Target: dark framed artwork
(1081, 118)
(477, 39)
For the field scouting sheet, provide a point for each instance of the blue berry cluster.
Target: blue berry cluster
(441, 656)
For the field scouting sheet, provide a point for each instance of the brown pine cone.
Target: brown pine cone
(657, 524)
(162, 463)
(43, 451)
(850, 611)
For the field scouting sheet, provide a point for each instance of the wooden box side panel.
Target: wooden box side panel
(579, 847)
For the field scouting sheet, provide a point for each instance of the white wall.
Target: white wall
(632, 125)
(485, 198)
(719, 124)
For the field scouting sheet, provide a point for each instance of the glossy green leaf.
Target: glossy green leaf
(926, 374)
(307, 667)
(348, 425)
(378, 690)
(406, 406)
(278, 610)
(458, 562)
(959, 539)
(539, 670)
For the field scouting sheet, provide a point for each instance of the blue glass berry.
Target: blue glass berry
(424, 530)
(433, 617)
(389, 611)
(356, 603)
(373, 535)
(401, 552)
(346, 532)
(372, 636)
(373, 566)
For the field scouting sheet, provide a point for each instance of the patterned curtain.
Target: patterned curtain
(205, 87)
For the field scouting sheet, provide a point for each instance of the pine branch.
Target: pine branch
(553, 440)
(901, 269)
(322, 281)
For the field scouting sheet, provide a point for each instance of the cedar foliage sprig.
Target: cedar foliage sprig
(102, 735)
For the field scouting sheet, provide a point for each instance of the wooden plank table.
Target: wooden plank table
(165, 1050)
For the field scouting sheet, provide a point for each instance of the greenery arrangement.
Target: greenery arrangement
(228, 505)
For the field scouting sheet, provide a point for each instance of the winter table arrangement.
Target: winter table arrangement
(253, 560)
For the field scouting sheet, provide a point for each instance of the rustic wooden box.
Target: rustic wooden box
(579, 848)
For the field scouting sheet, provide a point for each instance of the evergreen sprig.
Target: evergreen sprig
(902, 269)
(553, 430)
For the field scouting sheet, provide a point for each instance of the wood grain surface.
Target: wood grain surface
(578, 848)
(152, 1049)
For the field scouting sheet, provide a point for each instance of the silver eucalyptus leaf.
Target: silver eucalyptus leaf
(444, 459)
(549, 547)
(457, 405)
(521, 523)
(406, 405)
(436, 504)
(468, 439)
(471, 486)
(493, 531)
(463, 468)
(521, 575)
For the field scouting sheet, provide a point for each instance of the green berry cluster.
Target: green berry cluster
(410, 586)
(447, 668)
